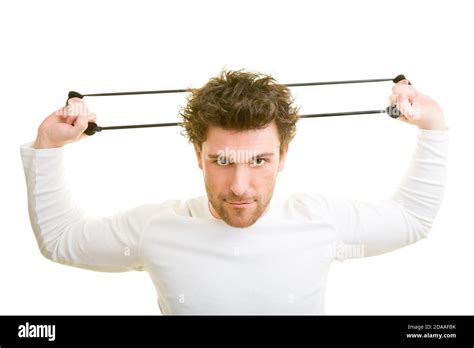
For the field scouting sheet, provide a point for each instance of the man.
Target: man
(236, 251)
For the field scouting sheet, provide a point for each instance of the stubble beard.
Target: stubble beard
(239, 217)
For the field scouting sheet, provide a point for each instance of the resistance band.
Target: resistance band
(93, 128)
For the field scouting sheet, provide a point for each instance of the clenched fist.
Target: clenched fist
(416, 108)
(65, 125)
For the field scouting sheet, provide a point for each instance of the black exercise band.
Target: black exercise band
(92, 128)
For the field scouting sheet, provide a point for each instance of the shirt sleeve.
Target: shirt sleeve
(406, 217)
(64, 234)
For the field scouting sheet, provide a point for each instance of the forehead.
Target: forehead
(265, 139)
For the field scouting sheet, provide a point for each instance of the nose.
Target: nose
(240, 180)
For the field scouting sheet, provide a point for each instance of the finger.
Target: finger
(405, 107)
(61, 112)
(71, 119)
(404, 119)
(92, 118)
(76, 100)
(407, 92)
(76, 107)
(404, 89)
(79, 126)
(392, 100)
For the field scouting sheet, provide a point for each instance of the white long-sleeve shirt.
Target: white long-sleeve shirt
(200, 265)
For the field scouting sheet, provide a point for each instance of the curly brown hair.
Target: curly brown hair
(239, 100)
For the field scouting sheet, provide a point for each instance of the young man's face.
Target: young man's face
(240, 170)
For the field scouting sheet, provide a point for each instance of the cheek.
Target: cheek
(214, 177)
(262, 180)
(268, 179)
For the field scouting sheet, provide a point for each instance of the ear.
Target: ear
(198, 155)
(283, 154)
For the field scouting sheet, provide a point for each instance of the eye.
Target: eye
(257, 162)
(222, 161)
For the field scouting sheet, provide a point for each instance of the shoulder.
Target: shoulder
(184, 207)
(306, 205)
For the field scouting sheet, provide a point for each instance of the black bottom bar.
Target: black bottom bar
(452, 331)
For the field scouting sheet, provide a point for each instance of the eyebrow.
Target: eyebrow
(265, 154)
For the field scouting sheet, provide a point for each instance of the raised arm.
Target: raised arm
(63, 233)
(407, 216)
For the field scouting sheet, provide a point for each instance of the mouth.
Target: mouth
(240, 204)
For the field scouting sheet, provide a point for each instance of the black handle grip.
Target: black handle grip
(400, 78)
(73, 94)
(392, 110)
(92, 128)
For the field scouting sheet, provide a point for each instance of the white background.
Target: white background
(51, 47)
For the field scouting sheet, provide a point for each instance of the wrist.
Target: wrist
(41, 143)
(434, 126)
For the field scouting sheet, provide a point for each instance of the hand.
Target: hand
(416, 108)
(65, 125)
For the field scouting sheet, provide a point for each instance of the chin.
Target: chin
(242, 224)
(239, 223)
